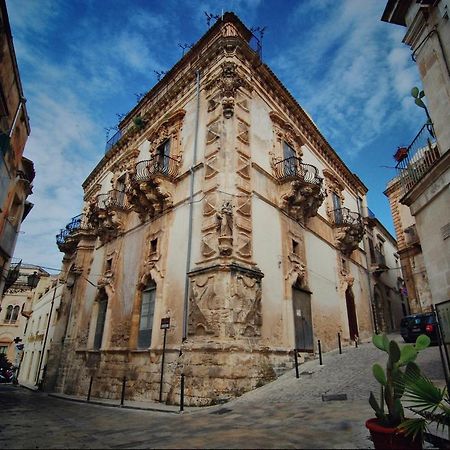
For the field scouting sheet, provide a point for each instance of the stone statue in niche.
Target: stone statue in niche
(225, 228)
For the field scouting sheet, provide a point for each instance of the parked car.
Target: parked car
(417, 324)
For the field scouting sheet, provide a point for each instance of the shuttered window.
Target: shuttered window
(146, 320)
(100, 327)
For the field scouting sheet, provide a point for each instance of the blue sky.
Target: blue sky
(82, 62)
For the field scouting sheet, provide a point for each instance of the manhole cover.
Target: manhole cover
(222, 411)
(334, 397)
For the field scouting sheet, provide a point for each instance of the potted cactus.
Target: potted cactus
(385, 428)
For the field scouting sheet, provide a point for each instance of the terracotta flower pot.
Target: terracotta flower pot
(391, 438)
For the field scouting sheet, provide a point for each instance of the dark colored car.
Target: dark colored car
(413, 326)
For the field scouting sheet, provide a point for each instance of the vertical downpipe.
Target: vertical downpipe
(191, 212)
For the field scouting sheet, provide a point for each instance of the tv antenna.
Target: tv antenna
(185, 46)
(159, 74)
(210, 17)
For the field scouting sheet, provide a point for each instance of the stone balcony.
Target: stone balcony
(302, 192)
(152, 185)
(105, 214)
(68, 238)
(349, 228)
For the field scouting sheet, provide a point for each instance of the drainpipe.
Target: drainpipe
(191, 213)
(19, 108)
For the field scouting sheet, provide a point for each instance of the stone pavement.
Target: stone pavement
(288, 413)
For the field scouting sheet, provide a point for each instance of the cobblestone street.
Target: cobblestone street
(288, 413)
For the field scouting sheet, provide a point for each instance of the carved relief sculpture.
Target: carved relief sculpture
(228, 82)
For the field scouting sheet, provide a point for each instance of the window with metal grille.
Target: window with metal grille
(147, 312)
(101, 318)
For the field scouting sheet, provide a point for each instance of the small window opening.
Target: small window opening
(294, 247)
(154, 245)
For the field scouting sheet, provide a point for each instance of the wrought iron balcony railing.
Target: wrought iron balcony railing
(74, 225)
(113, 140)
(158, 165)
(379, 259)
(415, 161)
(113, 199)
(292, 168)
(344, 217)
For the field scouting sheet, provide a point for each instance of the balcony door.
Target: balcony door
(290, 162)
(351, 314)
(337, 208)
(301, 301)
(163, 156)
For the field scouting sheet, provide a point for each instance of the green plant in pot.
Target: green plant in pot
(388, 409)
(430, 403)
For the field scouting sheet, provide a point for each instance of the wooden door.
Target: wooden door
(351, 314)
(301, 301)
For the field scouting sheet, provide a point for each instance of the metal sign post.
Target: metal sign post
(165, 324)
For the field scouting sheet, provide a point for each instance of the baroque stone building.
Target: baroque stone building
(16, 171)
(221, 207)
(423, 182)
(389, 300)
(16, 309)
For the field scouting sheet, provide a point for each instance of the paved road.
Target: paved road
(288, 413)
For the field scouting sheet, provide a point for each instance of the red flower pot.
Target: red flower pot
(391, 438)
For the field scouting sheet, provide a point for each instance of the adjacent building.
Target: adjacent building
(16, 171)
(38, 337)
(16, 309)
(389, 296)
(220, 228)
(424, 176)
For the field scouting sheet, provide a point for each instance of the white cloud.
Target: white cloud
(348, 71)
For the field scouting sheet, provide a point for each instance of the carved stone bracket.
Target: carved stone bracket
(106, 222)
(303, 200)
(149, 197)
(348, 237)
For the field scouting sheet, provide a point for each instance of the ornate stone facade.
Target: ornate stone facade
(220, 231)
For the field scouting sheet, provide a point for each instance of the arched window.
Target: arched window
(9, 311)
(15, 314)
(147, 312)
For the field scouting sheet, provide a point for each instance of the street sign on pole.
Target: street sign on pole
(165, 323)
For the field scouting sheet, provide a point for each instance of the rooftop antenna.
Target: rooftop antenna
(109, 129)
(185, 46)
(260, 31)
(120, 116)
(210, 16)
(159, 74)
(138, 96)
